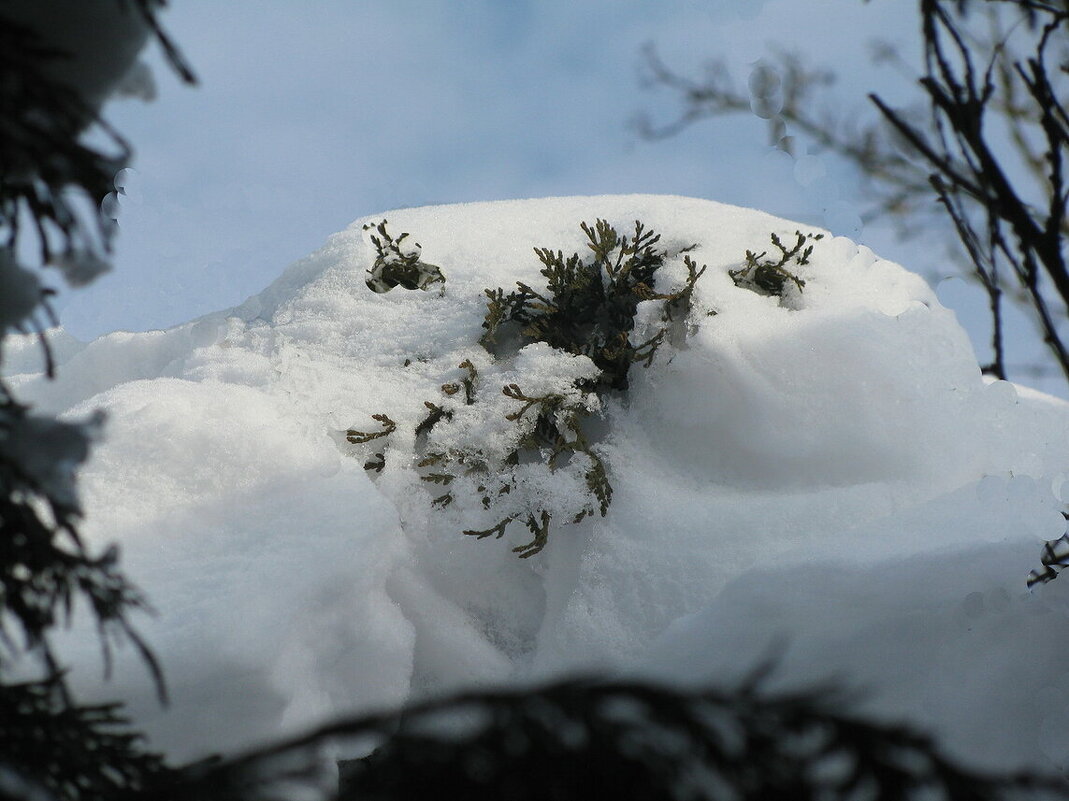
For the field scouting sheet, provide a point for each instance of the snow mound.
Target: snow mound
(824, 476)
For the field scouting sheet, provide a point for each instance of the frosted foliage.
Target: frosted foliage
(825, 474)
(539, 370)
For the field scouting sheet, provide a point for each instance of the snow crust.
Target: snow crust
(826, 480)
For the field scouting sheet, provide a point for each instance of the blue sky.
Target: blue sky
(310, 115)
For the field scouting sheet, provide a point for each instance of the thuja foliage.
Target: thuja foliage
(769, 275)
(626, 740)
(556, 434)
(547, 427)
(587, 309)
(397, 263)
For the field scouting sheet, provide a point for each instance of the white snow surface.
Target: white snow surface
(828, 481)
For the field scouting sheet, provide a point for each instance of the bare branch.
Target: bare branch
(991, 145)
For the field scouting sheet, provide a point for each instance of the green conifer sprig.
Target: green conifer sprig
(538, 526)
(540, 529)
(597, 481)
(677, 304)
(397, 263)
(547, 402)
(434, 416)
(557, 429)
(497, 531)
(462, 463)
(1054, 559)
(557, 432)
(770, 277)
(360, 437)
(468, 383)
(588, 307)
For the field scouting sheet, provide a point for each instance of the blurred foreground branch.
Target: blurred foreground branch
(581, 740)
(55, 183)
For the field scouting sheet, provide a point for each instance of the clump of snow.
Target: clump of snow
(830, 480)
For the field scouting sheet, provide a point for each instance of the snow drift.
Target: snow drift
(824, 477)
